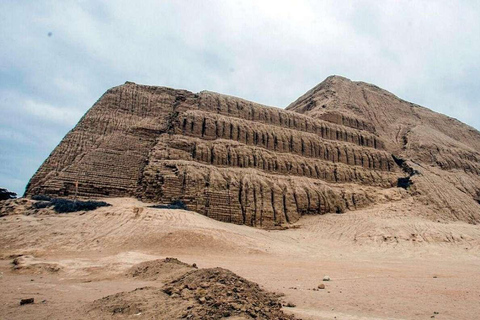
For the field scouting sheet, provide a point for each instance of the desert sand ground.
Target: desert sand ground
(384, 262)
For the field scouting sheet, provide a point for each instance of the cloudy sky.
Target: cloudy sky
(58, 57)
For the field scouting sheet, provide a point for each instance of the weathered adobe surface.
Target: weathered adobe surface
(342, 146)
(441, 153)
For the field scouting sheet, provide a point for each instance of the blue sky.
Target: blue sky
(58, 57)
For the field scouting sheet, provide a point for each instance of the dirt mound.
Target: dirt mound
(221, 293)
(198, 294)
(161, 269)
(31, 265)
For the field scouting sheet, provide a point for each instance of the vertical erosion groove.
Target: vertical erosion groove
(272, 192)
(241, 201)
(285, 210)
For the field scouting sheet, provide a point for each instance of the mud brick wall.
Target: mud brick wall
(224, 157)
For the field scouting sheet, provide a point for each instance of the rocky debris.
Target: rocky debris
(335, 149)
(162, 269)
(31, 265)
(27, 301)
(7, 195)
(221, 293)
(198, 294)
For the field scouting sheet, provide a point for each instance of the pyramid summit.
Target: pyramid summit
(342, 146)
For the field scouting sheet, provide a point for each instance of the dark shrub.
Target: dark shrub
(41, 197)
(176, 204)
(65, 205)
(398, 161)
(404, 183)
(5, 194)
(42, 204)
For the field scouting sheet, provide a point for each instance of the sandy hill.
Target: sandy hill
(340, 147)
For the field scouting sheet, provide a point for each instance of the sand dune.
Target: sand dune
(386, 262)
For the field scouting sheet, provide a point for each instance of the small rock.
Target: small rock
(252, 314)
(326, 278)
(435, 277)
(202, 300)
(191, 287)
(27, 301)
(236, 306)
(291, 305)
(321, 286)
(194, 265)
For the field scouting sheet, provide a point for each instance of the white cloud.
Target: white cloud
(266, 51)
(47, 113)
